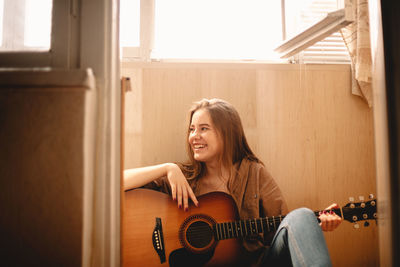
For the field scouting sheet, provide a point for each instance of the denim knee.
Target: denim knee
(302, 214)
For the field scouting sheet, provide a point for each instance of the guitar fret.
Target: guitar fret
(273, 218)
(255, 222)
(251, 227)
(230, 230)
(268, 224)
(223, 229)
(236, 229)
(262, 225)
(219, 231)
(271, 224)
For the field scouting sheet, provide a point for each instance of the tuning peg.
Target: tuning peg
(351, 199)
(366, 224)
(356, 226)
(371, 196)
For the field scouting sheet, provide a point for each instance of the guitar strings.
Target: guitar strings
(247, 224)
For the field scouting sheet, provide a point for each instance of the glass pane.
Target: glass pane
(26, 25)
(1, 21)
(217, 29)
(129, 23)
(38, 23)
(302, 14)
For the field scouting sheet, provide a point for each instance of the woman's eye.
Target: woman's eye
(204, 128)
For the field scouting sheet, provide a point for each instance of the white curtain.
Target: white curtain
(357, 40)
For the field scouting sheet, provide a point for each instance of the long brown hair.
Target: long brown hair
(229, 127)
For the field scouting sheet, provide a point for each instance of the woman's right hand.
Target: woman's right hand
(180, 188)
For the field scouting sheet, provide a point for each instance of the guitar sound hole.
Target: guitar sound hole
(199, 234)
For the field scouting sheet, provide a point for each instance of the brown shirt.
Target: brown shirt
(255, 192)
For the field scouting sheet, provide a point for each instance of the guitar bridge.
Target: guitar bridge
(158, 240)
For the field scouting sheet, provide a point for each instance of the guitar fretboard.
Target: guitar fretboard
(251, 227)
(243, 228)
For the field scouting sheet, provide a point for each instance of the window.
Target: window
(129, 23)
(25, 25)
(216, 29)
(220, 29)
(39, 33)
(312, 31)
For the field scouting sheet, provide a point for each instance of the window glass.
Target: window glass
(217, 29)
(1, 21)
(130, 23)
(302, 14)
(37, 23)
(26, 25)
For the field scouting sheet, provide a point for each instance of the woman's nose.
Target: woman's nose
(195, 134)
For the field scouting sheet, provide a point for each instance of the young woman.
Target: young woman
(220, 159)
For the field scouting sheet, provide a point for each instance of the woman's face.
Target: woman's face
(203, 138)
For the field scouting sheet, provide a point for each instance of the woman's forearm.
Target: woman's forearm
(134, 178)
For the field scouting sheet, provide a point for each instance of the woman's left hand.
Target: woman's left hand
(329, 219)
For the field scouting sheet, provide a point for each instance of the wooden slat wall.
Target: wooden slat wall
(313, 135)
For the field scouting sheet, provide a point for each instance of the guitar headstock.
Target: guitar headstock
(360, 211)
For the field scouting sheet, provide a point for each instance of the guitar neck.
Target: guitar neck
(251, 227)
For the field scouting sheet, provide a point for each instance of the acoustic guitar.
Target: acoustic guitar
(157, 233)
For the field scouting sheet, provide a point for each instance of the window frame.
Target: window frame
(143, 51)
(333, 22)
(64, 48)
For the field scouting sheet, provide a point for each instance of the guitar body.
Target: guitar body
(153, 225)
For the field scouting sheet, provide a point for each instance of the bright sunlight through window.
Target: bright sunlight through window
(130, 23)
(25, 25)
(1, 21)
(217, 29)
(37, 23)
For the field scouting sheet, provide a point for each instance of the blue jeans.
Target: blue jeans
(299, 241)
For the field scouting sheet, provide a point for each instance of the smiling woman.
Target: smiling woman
(292, 123)
(220, 160)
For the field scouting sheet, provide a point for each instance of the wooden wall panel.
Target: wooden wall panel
(314, 136)
(317, 141)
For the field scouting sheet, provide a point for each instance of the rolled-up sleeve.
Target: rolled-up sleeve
(161, 184)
